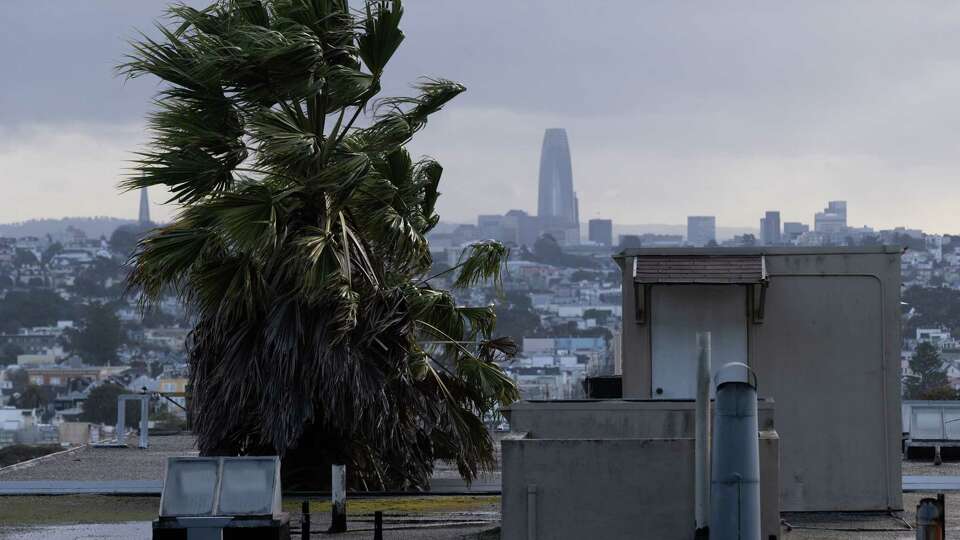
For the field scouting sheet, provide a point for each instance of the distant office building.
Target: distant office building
(515, 227)
(557, 206)
(601, 231)
(833, 219)
(793, 230)
(701, 230)
(770, 228)
(629, 241)
(521, 228)
(490, 225)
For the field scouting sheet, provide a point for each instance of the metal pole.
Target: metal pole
(121, 426)
(378, 525)
(305, 520)
(531, 512)
(144, 421)
(338, 494)
(735, 495)
(702, 449)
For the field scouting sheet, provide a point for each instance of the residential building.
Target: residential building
(937, 337)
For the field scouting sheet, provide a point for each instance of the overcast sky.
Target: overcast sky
(672, 108)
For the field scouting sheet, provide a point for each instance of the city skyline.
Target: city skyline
(705, 123)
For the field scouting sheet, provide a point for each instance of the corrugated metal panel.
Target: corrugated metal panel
(733, 269)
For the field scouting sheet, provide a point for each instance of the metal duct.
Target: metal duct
(735, 480)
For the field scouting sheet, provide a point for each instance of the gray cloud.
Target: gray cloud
(672, 107)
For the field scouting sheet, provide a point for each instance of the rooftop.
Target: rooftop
(414, 517)
(756, 250)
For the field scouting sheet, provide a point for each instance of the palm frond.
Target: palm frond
(382, 36)
(481, 262)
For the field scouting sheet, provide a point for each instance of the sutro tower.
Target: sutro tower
(144, 207)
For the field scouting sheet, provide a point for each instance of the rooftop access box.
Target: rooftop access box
(821, 329)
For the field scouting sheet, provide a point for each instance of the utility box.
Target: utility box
(228, 498)
(820, 327)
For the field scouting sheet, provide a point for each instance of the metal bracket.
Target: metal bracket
(756, 301)
(640, 293)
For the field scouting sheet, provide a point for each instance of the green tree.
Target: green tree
(516, 317)
(548, 251)
(601, 315)
(100, 407)
(585, 275)
(52, 251)
(37, 307)
(33, 397)
(9, 353)
(300, 244)
(123, 240)
(92, 281)
(99, 336)
(19, 378)
(929, 375)
(24, 257)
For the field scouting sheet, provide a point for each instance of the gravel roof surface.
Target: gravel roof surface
(99, 464)
(927, 468)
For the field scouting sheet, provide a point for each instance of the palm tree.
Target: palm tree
(300, 244)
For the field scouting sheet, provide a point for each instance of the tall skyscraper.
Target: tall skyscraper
(557, 207)
(701, 230)
(770, 228)
(144, 207)
(601, 231)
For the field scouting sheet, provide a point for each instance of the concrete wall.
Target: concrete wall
(614, 419)
(827, 351)
(611, 488)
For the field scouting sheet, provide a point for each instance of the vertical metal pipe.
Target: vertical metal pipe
(931, 519)
(378, 525)
(338, 495)
(305, 520)
(121, 426)
(531, 512)
(144, 422)
(702, 449)
(735, 494)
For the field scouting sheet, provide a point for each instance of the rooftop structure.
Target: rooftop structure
(821, 331)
